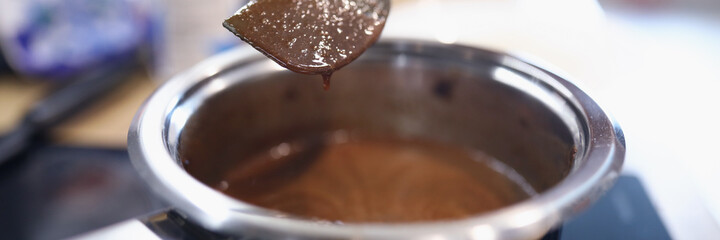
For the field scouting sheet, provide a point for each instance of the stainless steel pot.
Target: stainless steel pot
(538, 123)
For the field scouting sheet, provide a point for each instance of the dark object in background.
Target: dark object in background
(57, 192)
(625, 212)
(63, 102)
(4, 68)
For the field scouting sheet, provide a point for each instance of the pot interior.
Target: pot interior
(453, 100)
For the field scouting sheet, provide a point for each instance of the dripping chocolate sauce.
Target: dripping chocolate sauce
(310, 36)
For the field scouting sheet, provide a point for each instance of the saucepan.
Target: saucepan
(536, 122)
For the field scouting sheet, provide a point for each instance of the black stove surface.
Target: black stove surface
(624, 212)
(54, 192)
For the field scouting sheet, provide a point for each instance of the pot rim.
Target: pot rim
(597, 163)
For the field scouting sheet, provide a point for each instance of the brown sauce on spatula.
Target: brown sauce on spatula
(310, 36)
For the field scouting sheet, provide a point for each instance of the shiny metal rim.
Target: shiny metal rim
(596, 168)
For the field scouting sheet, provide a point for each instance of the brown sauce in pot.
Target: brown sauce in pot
(374, 180)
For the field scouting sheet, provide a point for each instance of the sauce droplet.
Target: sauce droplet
(326, 80)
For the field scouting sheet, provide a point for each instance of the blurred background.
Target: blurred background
(73, 73)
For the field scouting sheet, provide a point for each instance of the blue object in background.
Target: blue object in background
(51, 39)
